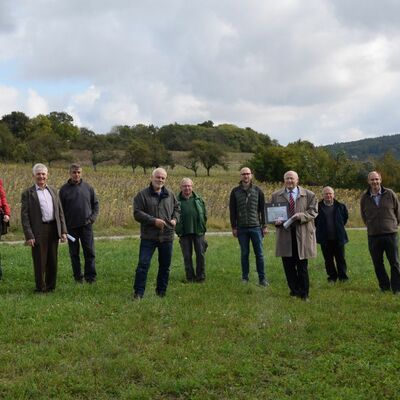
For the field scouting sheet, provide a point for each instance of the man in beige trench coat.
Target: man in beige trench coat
(297, 242)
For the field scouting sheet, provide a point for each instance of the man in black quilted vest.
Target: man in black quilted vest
(247, 214)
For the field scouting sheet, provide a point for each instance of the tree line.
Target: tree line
(317, 166)
(52, 137)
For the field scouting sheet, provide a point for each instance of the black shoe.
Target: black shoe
(79, 280)
(293, 294)
(305, 298)
(263, 282)
(245, 280)
(91, 280)
(160, 294)
(137, 296)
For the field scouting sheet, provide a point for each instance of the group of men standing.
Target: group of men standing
(48, 216)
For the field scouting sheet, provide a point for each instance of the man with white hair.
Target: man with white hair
(331, 234)
(157, 210)
(296, 243)
(191, 229)
(43, 223)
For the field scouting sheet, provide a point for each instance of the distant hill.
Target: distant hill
(368, 148)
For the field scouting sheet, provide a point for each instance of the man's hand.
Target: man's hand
(159, 223)
(30, 242)
(234, 232)
(6, 218)
(296, 216)
(265, 230)
(278, 222)
(173, 222)
(63, 238)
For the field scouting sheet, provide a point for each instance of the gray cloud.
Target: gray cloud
(321, 70)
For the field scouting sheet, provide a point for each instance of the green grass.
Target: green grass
(219, 340)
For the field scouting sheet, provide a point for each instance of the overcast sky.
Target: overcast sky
(320, 70)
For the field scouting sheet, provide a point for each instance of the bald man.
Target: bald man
(380, 211)
(331, 234)
(247, 215)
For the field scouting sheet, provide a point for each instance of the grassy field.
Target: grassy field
(218, 340)
(116, 187)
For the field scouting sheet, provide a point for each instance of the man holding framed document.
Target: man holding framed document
(295, 237)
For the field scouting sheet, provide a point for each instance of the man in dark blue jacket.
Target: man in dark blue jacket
(331, 234)
(81, 208)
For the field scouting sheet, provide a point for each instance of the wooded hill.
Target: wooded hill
(368, 148)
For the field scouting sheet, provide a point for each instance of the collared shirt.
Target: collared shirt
(295, 192)
(376, 197)
(46, 203)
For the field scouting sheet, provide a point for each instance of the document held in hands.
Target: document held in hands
(288, 223)
(71, 238)
(276, 212)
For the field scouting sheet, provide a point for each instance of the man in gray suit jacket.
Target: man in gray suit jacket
(43, 224)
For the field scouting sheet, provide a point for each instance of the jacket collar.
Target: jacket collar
(383, 190)
(181, 197)
(164, 192)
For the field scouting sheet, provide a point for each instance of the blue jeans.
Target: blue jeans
(255, 235)
(147, 248)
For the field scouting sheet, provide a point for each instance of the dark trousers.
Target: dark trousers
(147, 248)
(84, 235)
(296, 271)
(334, 251)
(378, 245)
(44, 255)
(199, 243)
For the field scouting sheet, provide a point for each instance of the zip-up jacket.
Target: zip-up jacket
(4, 207)
(200, 215)
(381, 219)
(79, 203)
(340, 217)
(247, 207)
(148, 205)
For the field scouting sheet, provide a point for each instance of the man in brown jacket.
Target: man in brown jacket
(297, 242)
(43, 223)
(380, 211)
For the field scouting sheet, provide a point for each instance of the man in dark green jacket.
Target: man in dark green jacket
(191, 229)
(247, 215)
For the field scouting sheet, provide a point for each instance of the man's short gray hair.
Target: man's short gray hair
(74, 167)
(184, 180)
(328, 188)
(39, 167)
(159, 170)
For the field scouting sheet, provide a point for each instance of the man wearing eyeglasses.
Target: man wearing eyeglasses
(247, 215)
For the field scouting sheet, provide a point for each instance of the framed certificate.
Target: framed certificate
(276, 211)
